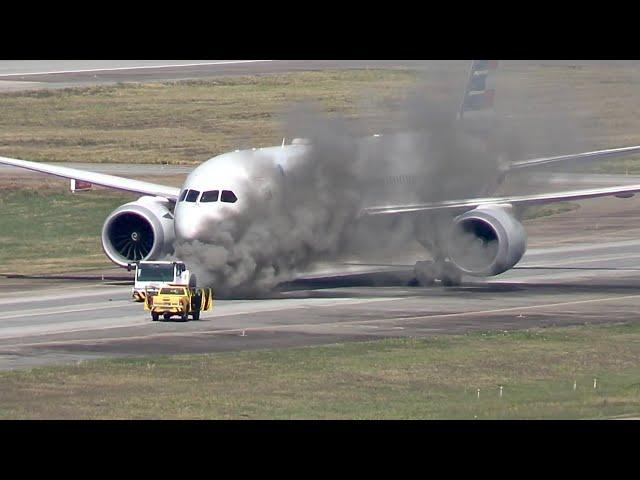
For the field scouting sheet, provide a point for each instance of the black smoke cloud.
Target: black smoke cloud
(316, 214)
(316, 202)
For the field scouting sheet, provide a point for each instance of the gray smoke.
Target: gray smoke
(316, 215)
(316, 202)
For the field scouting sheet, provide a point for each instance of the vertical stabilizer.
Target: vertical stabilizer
(478, 94)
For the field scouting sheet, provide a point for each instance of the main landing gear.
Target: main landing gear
(427, 272)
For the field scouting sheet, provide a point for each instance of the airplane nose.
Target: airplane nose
(186, 228)
(202, 221)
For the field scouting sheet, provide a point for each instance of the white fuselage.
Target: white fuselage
(240, 172)
(257, 173)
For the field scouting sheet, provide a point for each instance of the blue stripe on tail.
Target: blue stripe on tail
(477, 95)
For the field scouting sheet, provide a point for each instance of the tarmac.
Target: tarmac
(582, 267)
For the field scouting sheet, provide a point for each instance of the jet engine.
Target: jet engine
(486, 241)
(140, 230)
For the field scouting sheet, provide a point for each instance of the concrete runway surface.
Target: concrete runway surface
(582, 266)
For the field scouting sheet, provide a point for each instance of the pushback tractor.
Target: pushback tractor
(178, 300)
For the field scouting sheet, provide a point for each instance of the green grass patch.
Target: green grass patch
(426, 378)
(547, 210)
(47, 230)
(630, 166)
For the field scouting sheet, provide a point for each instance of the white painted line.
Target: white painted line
(43, 295)
(140, 67)
(70, 327)
(603, 258)
(75, 327)
(65, 309)
(582, 246)
(308, 303)
(311, 325)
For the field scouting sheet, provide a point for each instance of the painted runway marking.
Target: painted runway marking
(37, 330)
(65, 309)
(321, 324)
(309, 304)
(8, 333)
(603, 258)
(43, 297)
(582, 246)
(140, 67)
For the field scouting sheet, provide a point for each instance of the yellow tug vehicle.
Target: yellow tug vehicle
(180, 300)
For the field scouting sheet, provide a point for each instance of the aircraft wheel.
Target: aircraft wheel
(451, 276)
(425, 273)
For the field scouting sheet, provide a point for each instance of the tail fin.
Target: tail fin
(477, 95)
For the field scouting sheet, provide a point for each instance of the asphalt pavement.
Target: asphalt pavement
(572, 281)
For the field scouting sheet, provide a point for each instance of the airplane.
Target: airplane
(476, 234)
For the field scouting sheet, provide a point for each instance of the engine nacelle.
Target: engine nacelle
(140, 230)
(486, 241)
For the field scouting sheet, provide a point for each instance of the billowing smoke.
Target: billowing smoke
(316, 214)
(315, 203)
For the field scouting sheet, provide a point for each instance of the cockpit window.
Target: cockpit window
(228, 196)
(182, 195)
(210, 196)
(192, 196)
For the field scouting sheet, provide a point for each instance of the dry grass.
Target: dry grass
(548, 210)
(555, 109)
(44, 228)
(174, 122)
(410, 378)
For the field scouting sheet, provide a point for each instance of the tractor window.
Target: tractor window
(172, 291)
(228, 196)
(192, 196)
(182, 195)
(155, 272)
(210, 196)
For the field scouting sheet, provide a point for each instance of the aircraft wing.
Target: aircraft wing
(111, 181)
(596, 155)
(518, 200)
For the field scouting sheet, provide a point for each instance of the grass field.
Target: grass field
(552, 109)
(176, 122)
(547, 210)
(47, 230)
(427, 378)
